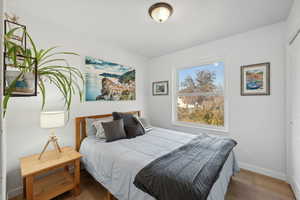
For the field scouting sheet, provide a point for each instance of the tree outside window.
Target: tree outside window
(200, 95)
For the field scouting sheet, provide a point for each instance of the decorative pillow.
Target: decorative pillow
(139, 130)
(91, 128)
(114, 130)
(144, 123)
(127, 118)
(131, 131)
(134, 130)
(130, 124)
(98, 125)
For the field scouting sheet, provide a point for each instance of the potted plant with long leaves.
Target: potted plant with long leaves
(51, 66)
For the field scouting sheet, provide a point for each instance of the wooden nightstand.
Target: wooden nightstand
(57, 179)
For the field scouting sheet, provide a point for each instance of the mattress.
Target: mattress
(115, 165)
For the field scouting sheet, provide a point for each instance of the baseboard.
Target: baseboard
(264, 171)
(295, 186)
(14, 192)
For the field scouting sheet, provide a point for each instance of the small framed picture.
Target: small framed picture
(18, 80)
(160, 88)
(255, 79)
(19, 35)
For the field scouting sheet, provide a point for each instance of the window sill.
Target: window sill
(213, 130)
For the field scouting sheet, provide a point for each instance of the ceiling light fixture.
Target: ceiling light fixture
(160, 12)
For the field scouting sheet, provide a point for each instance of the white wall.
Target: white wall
(24, 137)
(256, 122)
(293, 111)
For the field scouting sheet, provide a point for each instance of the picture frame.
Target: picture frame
(160, 88)
(20, 35)
(108, 81)
(255, 79)
(26, 85)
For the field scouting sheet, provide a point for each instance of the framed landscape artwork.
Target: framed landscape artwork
(255, 79)
(160, 88)
(107, 81)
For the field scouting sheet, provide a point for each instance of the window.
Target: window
(199, 96)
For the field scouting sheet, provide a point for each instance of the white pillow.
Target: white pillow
(98, 125)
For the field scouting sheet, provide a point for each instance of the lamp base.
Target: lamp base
(52, 139)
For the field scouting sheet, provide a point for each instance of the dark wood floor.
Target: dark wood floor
(244, 186)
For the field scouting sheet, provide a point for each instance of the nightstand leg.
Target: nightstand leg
(77, 177)
(29, 187)
(24, 188)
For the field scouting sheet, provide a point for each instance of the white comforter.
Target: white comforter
(115, 164)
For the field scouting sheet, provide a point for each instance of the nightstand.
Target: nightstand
(51, 176)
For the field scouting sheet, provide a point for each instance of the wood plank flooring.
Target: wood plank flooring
(244, 186)
(252, 186)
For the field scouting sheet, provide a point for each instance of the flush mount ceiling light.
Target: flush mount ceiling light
(160, 12)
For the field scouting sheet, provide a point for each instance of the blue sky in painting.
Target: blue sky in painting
(217, 67)
(107, 66)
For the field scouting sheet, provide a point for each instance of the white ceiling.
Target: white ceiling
(126, 22)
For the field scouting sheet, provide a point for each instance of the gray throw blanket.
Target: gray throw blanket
(187, 173)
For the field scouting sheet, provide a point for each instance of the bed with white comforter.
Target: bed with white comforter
(116, 164)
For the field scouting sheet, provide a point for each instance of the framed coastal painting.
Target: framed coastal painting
(160, 88)
(255, 79)
(107, 81)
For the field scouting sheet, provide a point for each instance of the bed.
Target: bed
(115, 165)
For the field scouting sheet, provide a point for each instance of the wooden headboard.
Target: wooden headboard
(80, 124)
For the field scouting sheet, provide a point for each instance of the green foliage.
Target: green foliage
(210, 112)
(205, 81)
(50, 67)
(127, 77)
(203, 107)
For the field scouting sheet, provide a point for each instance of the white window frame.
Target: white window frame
(175, 81)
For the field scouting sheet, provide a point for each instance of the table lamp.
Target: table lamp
(52, 120)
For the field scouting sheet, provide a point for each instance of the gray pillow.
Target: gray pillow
(114, 130)
(129, 121)
(91, 129)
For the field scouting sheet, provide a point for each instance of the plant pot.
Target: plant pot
(11, 76)
(25, 84)
(29, 78)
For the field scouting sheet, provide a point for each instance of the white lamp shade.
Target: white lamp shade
(53, 119)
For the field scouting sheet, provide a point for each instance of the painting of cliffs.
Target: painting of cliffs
(107, 81)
